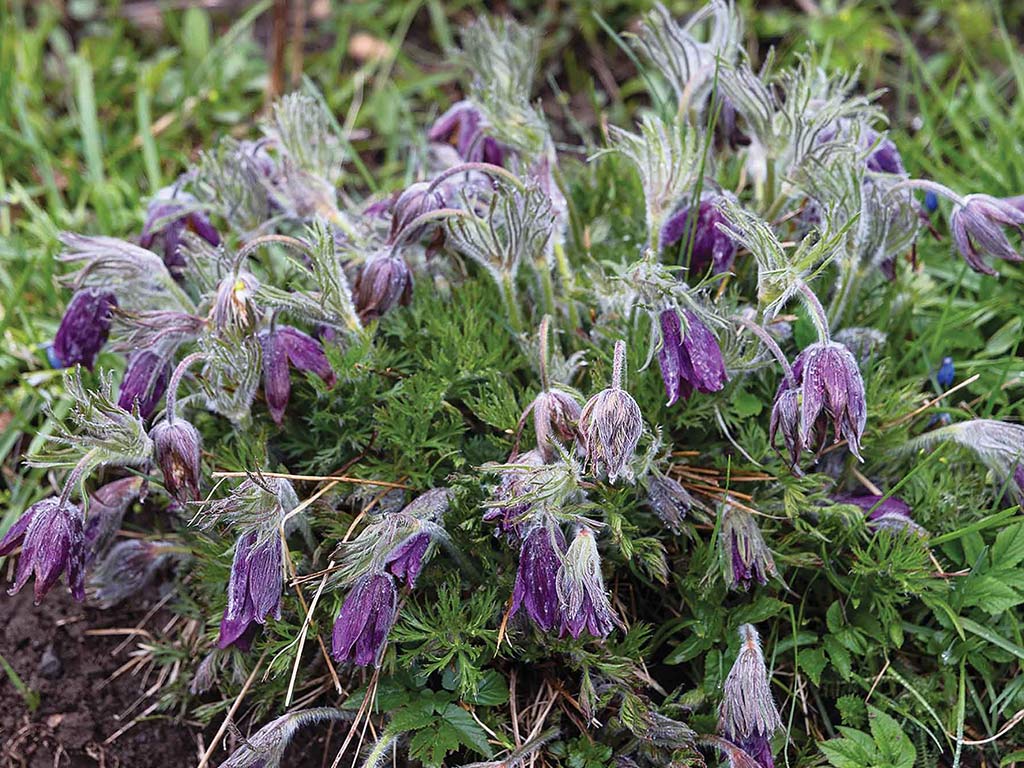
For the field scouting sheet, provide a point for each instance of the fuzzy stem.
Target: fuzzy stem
(172, 386)
(929, 186)
(773, 347)
(547, 288)
(84, 464)
(424, 218)
(494, 170)
(545, 323)
(256, 243)
(508, 292)
(566, 277)
(817, 312)
(618, 364)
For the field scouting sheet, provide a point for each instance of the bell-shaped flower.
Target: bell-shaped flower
(176, 445)
(785, 419)
(145, 382)
(581, 593)
(748, 716)
(254, 589)
(285, 347)
(978, 224)
(52, 540)
(690, 358)
(384, 282)
(745, 556)
(366, 617)
(406, 560)
(556, 414)
(708, 245)
(127, 569)
(170, 214)
(832, 390)
(84, 328)
(611, 425)
(414, 201)
(536, 586)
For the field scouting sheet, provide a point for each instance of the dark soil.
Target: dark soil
(81, 708)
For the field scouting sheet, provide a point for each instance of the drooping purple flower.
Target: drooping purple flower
(406, 560)
(513, 483)
(50, 534)
(748, 716)
(144, 383)
(785, 418)
(977, 225)
(107, 505)
(831, 390)
(254, 589)
(462, 126)
(891, 513)
(127, 569)
(689, 359)
(669, 500)
(84, 328)
(556, 414)
(711, 247)
(581, 592)
(536, 586)
(414, 201)
(745, 556)
(366, 617)
(176, 446)
(384, 282)
(611, 424)
(170, 214)
(285, 347)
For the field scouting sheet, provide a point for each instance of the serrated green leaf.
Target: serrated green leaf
(491, 692)
(470, 733)
(813, 662)
(894, 746)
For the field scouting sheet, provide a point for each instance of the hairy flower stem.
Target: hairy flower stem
(773, 347)
(425, 218)
(618, 364)
(928, 186)
(817, 312)
(508, 293)
(84, 465)
(172, 387)
(547, 288)
(568, 282)
(545, 325)
(258, 242)
(493, 170)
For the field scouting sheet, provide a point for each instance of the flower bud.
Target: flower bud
(284, 346)
(745, 557)
(176, 446)
(51, 536)
(832, 390)
(611, 425)
(234, 308)
(507, 511)
(144, 383)
(748, 716)
(366, 617)
(536, 586)
(84, 328)
(126, 570)
(689, 358)
(581, 591)
(414, 201)
(107, 505)
(555, 417)
(254, 589)
(384, 283)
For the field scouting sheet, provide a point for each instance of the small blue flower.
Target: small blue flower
(931, 201)
(946, 374)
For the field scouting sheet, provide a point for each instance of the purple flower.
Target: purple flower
(977, 223)
(126, 570)
(536, 586)
(415, 200)
(144, 383)
(84, 328)
(513, 483)
(50, 534)
(555, 417)
(286, 346)
(384, 282)
(406, 560)
(176, 447)
(462, 126)
(366, 617)
(711, 247)
(254, 589)
(581, 592)
(668, 499)
(748, 716)
(745, 557)
(786, 418)
(831, 390)
(689, 360)
(891, 513)
(170, 214)
(611, 424)
(107, 505)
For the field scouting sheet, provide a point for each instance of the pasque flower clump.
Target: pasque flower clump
(406, 451)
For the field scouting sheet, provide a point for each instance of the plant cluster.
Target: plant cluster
(432, 420)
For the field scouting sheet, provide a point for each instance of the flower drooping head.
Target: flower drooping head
(254, 590)
(126, 570)
(891, 513)
(144, 383)
(977, 225)
(611, 425)
(832, 390)
(707, 244)
(748, 716)
(669, 500)
(384, 283)
(786, 419)
(508, 507)
(690, 357)
(745, 557)
(581, 591)
(406, 560)
(285, 346)
(462, 126)
(366, 616)
(170, 214)
(176, 447)
(84, 328)
(50, 534)
(536, 587)
(107, 505)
